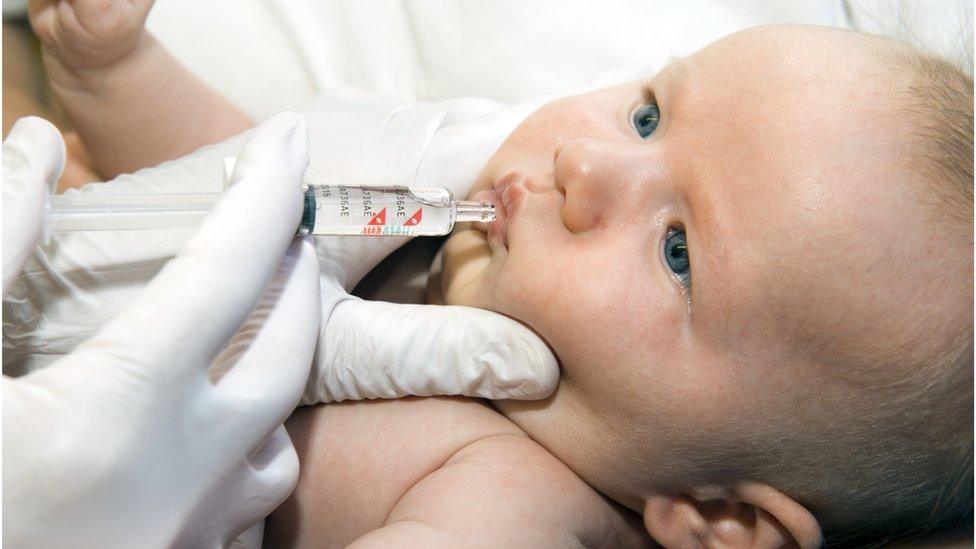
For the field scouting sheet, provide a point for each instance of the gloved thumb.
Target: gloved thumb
(372, 349)
(33, 159)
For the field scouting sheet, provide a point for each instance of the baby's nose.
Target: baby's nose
(591, 173)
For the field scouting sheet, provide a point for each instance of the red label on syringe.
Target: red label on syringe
(415, 218)
(378, 219)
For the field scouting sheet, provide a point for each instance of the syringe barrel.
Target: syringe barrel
(384, 211)
(328, 210)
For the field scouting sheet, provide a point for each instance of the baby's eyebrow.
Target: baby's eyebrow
(677, 71)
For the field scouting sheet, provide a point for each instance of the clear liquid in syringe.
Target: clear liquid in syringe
(380, 211)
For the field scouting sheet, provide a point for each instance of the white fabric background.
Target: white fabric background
(271, 55)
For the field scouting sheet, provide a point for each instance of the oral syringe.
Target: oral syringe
(329, 210)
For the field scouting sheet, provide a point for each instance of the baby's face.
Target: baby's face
(678, 271)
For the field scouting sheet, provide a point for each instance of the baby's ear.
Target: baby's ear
(750, 515)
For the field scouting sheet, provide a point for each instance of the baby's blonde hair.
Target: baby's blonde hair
(911, 457)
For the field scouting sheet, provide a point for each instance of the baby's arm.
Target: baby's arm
(436, 472)
(133, 104)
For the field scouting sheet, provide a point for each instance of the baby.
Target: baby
(731, 262)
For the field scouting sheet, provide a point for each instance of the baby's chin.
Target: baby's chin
(464, 265)
(464, 270)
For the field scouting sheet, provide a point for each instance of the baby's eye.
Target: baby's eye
(645, 119)
(676, 256)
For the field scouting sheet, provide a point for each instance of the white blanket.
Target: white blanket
(272, 55)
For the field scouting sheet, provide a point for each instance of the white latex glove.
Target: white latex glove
(414, 349)
(165, 428)
(33, 156)
(366, 350)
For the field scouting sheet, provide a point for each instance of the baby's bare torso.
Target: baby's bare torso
(436, 472)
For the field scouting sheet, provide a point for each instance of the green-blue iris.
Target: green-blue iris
(645, 119)
(676, 256)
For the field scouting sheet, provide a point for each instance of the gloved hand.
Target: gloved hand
(33, 152)
(366, 350)
(414, 349)
(165, 428)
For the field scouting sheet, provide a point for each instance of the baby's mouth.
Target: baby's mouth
(497, 230)
(507, 193)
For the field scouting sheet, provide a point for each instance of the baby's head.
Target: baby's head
(757, 275)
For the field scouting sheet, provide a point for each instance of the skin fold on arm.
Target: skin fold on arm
(435, 472)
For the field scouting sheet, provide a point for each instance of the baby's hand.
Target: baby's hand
(89, 34)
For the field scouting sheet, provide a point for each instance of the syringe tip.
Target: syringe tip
(467, 210)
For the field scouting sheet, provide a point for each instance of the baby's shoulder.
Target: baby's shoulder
(438, 471)
(503, 489)
(506, 490)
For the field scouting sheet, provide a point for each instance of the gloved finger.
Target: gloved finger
(190, 310)
(274, 467)
(288, 163)
(270, 356)
(33, 159)
(269, 477)
(248, 493)
(386, 350)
